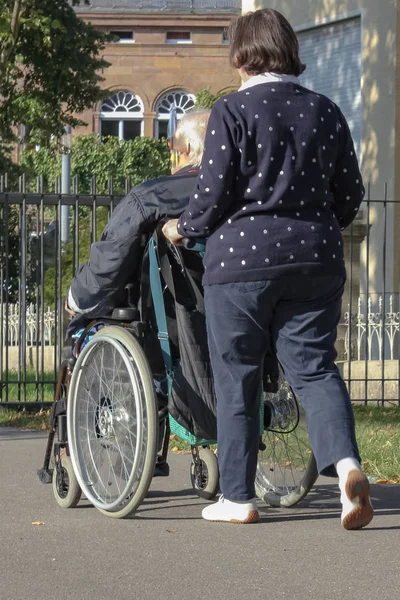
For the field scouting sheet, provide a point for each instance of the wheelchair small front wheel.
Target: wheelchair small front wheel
(66, 489)
(204, 473)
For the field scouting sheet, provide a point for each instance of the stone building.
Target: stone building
(351, 48)
(165, 51)
(352, 51)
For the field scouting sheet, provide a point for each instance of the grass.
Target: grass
(40, 390)
(378, 429)
(24, 419)
(378, 436)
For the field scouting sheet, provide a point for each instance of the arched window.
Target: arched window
(183, 102)
(121, 115)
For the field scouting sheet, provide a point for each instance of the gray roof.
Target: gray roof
(172, 6)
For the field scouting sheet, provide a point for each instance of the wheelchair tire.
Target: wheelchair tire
(113, 422)
(66, 489)
(286, 469)
(206, 482)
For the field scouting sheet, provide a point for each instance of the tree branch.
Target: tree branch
(17, 13)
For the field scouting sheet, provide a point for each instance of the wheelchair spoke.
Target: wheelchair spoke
(107, 423)
(283, 465)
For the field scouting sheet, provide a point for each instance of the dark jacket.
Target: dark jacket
(99, 285)
(278, 182)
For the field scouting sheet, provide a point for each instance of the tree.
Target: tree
(205, 99)
(139, 159)
(49, 67)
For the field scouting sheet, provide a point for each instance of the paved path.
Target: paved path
(169, 553)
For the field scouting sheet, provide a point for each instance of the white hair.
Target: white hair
(192, 127)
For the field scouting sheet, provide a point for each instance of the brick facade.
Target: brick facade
(149, 67)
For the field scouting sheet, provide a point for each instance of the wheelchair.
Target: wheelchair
(110, 416)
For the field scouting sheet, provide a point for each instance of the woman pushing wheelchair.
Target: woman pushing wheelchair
(278, 182)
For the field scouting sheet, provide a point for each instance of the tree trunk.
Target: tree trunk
(9, 45)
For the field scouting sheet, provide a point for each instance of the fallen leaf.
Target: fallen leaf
(41, 413)
(38, 523)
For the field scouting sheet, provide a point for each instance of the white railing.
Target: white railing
(32, 322)
(375, 335)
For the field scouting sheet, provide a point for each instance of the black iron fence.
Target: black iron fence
(39, 255)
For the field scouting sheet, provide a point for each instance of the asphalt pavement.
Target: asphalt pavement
(168, 552)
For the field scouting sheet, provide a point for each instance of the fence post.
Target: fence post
(65, 183)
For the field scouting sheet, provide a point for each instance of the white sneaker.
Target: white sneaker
(357, 508)
(232, 512)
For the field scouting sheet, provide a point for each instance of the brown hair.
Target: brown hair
(264, 41)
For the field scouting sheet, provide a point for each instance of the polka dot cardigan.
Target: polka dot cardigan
(278, 182)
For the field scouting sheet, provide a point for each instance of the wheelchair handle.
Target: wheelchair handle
(196, 245)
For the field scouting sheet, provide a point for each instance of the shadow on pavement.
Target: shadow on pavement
(10, 434)
(321, 504)
(382, 496)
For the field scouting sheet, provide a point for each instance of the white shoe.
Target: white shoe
(357, 508)
(232, 512)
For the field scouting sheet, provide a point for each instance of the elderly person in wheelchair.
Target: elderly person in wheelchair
(100, 284)
(111, 277)
(140, 367)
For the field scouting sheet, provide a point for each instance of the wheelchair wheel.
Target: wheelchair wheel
(66, 488)
(286, 469)
(113, 422)
(204, 473)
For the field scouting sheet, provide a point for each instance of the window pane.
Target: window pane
(178, 37)
(109, 128)
(162, 129)
(132, 129)
(122, 36)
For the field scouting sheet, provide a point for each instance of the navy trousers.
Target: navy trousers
(296, 317)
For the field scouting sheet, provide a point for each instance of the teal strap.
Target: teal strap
(159, 309)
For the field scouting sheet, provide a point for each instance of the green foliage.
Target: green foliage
(69, 260)
(205, 99)
(49, 67)
(46, 161)
(140, 159)
(7, 166)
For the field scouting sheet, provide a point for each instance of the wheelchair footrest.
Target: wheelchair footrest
(45, 475)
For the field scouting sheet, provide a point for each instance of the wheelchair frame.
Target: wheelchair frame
(204, 475)
(204, 469)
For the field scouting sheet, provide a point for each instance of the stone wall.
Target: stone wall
(31, 358)
(366, 380)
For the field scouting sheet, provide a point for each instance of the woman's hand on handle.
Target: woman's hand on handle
(170, 231)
